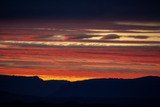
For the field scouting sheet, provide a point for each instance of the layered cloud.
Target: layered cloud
(139, 37)
(79, 51)
(73, 44)
(111, 36)
(148, 24)
(81, 63)
(66, 37)
(77, 31)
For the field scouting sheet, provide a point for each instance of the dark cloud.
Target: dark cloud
(111, 36)
(121, 54)
(65, 37)
(139, 37)
(25, 64)
(77, 36)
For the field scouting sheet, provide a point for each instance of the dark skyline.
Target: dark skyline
(80, 9)
(32, 91)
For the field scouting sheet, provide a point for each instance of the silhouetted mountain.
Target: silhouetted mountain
(141, 91)
(33, 86)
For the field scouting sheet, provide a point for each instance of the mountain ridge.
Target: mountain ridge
(144, 90)
(36, 77)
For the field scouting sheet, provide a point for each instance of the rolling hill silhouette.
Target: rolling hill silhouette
(18, 90)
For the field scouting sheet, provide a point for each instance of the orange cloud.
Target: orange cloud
(80, 63)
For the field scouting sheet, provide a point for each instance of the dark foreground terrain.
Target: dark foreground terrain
(32, 91)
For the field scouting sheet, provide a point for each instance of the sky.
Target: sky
(81, 9)
(76, 40)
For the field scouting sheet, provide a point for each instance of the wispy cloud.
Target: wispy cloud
(144, 31)
(148, 24)
(67, 37)
(25, 64)
(139, 37)
(80, 50)
(70, 44)
(111, 36)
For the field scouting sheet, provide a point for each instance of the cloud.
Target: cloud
(144, 31)
(53, 37)
(70, 44)
(77, 36)
(67, 37)
(145, 24)
(139, 37)
(111, 36)
(5, 46)
(99, 30)
(25, 64)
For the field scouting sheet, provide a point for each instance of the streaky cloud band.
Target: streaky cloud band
(70, 44)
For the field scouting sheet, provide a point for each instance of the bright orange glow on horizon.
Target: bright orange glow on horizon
(48, 74)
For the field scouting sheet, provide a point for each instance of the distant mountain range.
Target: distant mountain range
(143, 91)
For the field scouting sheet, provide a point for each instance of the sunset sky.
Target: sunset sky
(82, 40)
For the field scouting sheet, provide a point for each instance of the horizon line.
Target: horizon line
(32, 76)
